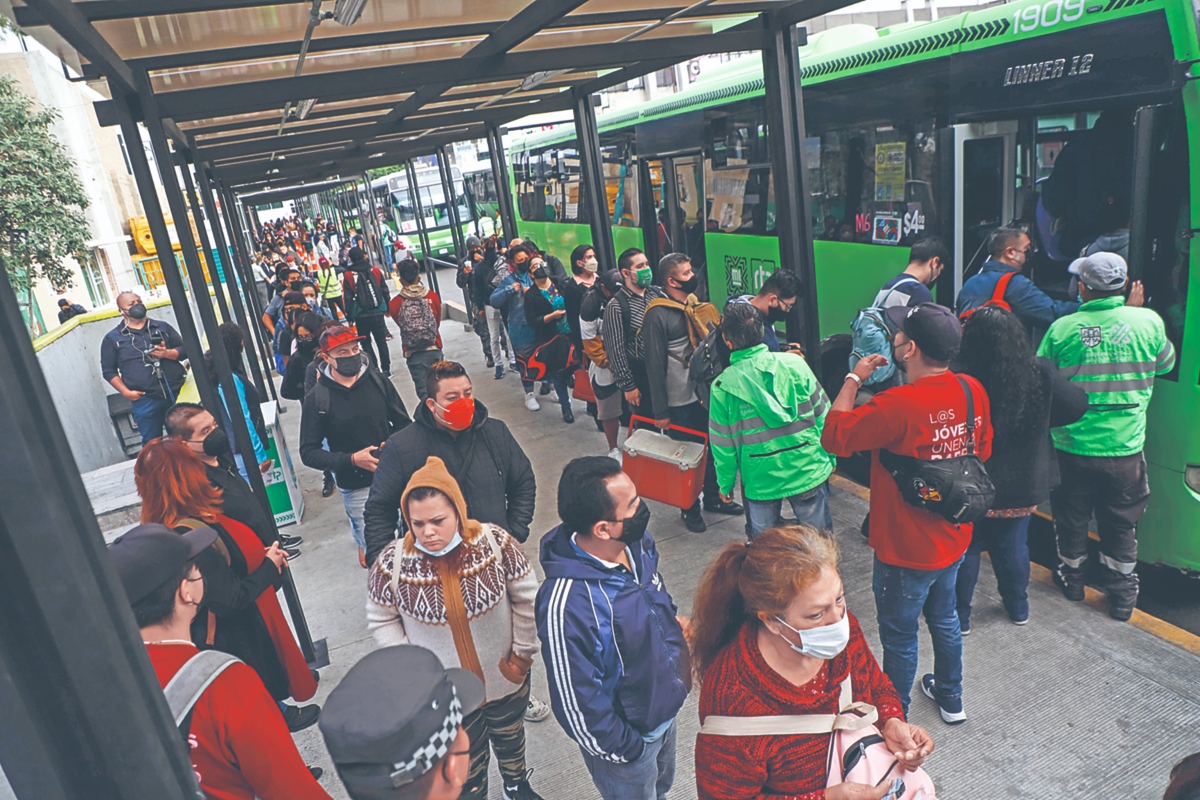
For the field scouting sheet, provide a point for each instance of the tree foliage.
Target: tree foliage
(41, 199)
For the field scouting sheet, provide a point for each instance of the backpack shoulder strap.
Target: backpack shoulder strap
(189, 683)
(1002, 287)
(970, 411)
(321, 396)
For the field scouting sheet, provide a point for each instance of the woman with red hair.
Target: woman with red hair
(241, 614)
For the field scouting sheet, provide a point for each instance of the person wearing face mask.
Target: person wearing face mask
(926, 260)
(609, 401)
(671, 328)
(242, 615)
(314, 304)
(464, 590)
(615, 649)
(274, 309)
(1008, 251)
(308, 328)
(917, 552)
(465, 279)
(584, 269)
(509, 297)
(353, 409)
(141, 358)
(623, 328)
(329, 286)
(546, 313)
(772, 636)
(774, 301)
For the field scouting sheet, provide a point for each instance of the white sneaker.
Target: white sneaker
(537, 710)
(531, 402)
(615, 453)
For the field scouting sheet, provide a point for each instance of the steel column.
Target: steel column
(233, 265)
(460, 242)
(592, 187)
(241, 429)
(419, 211)
(199, 218)
(793, 220)
(504, 198)
(376, 225)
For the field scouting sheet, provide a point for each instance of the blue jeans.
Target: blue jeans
(149, 414)
(901, 594)
(648, 778)
(1007, 540)
(559, 382)
(810, 508)
(353, 500)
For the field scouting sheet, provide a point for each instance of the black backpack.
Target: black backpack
(367, 293)
(709, 359)
(957, 489)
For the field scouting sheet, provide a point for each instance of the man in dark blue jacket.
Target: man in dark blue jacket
(1008, 249)
(615, 650)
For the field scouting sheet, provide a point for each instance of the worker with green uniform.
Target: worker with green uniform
(1113, 350)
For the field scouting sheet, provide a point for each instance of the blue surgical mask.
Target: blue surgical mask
(824, 642)
(455, 542)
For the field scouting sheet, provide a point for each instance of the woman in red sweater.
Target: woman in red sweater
(771, 636)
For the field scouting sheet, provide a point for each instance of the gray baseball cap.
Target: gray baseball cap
(1103, 272)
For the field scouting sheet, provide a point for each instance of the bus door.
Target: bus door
(673, 210)
(985, 168)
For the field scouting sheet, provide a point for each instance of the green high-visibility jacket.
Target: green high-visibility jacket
(766, 414)
(1112, 351)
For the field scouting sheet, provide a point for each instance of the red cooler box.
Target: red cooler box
(662, 468)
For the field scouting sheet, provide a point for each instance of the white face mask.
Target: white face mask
(455, 542)
(824, 642)
(591, 265)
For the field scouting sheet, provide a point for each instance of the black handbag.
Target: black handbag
(956, 489)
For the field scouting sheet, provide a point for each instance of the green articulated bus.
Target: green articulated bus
(392, 192)
(944, 128)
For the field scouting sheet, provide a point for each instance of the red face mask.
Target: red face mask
(458, 415)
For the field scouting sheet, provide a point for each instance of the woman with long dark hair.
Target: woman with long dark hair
(1028, 398)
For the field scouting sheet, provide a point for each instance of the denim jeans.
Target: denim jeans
(353, 500)
(810, 508)
(648, 778)
(1007, 541)
(901, 595)
(149, 414)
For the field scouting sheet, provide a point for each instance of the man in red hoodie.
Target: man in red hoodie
(917, 553)
(240, 746)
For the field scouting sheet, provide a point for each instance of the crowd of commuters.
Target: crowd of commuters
(440, 503)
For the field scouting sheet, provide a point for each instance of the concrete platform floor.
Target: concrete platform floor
(1073, 705)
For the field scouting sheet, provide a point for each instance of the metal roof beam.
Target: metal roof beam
(69, 22)
(92, 10)
(263, 95)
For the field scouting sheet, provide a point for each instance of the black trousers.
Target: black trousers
(695, 416)
(1115, 488)
(374, 327)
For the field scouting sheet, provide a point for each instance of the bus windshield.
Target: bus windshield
(433, 203)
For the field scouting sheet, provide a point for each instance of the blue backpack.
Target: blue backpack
(871, 335)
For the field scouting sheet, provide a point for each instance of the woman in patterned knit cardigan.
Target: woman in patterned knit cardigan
(753, 608)
(464, 590)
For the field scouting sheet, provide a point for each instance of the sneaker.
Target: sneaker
(512, 364)
(490, 362)
(387, 373)
(951, 710)
(721, 507)
(965, 628)
(568, 415)
(545, 390)
(291, 552)
(615, 454)
(499, 372)
(521, 790)
(1020, 621)
(537, 710)
(693, 520)
(531, 402)
(300, 717)
(1119, 611)
(329, 485)
(1073, 590)
(289, 541)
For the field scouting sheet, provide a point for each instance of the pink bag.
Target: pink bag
(857, 750)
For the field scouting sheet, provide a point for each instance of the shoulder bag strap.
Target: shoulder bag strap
(852, 717)
(970, 414)
(1002, 287)
(186, 686)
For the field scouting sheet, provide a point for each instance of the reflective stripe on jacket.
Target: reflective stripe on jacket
(1113, 352)
(767, 412)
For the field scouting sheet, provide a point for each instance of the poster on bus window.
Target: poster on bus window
(889, 172)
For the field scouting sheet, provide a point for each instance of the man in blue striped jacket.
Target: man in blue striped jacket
(615, 650)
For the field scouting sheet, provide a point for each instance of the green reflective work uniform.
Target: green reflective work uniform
(1113, 352)
(766, 415)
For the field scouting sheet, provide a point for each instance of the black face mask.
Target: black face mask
(634, 528)
(348, 366)
(216, 444)
(136, 311)
(690, 284)
(522, 266)
(296, 285)
(541, 272)
(777, 314)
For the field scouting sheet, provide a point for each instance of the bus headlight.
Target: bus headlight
(1191, 477)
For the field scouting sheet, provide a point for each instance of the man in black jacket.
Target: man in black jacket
(355, 409)
(487, 276)
(480, 452)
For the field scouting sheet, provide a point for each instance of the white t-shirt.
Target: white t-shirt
(592, 330)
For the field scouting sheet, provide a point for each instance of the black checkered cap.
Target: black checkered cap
(394, 716)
